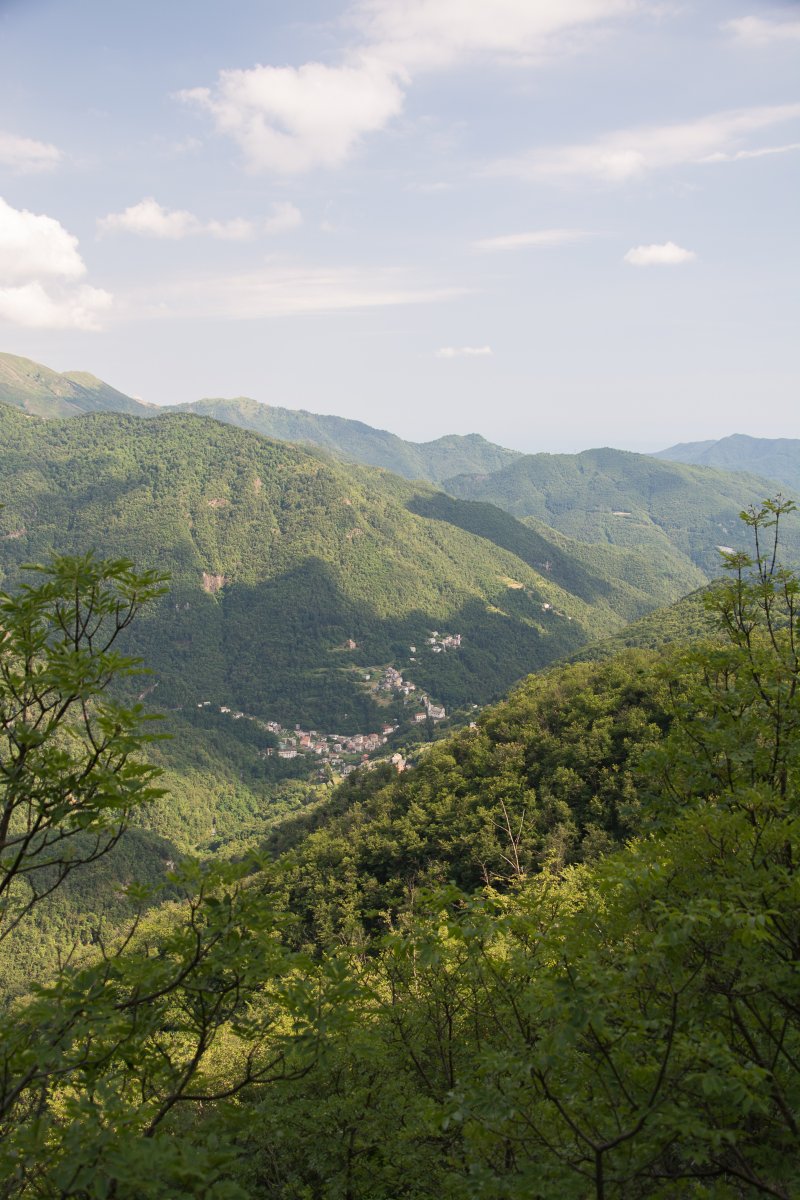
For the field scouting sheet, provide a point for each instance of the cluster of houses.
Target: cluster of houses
(329, 748)
(440, 642)
(345, 752)
(392, 681)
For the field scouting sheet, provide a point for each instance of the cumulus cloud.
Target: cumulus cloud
(148, 218)
(34, 246)
(763, 31)
(26, 156)
(292, 119)
(631, 153)
(39, 268)
(289, 119)
(665, 254)
(537, 239)
(35, 307)
(464, 352)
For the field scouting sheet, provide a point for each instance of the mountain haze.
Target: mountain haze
(774, 458)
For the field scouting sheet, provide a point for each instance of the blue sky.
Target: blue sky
(559, 223)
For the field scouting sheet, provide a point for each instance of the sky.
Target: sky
(557, 223)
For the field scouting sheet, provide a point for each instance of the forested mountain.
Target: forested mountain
(774, 458)
(281, 560)
(627, 499)
(357, 442)
(45, 393)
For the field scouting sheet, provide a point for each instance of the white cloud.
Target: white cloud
(292, 119)
(464, 352)
(148, 218)
(39, 268)
(239, 229)
(34, 307)
(631, 153)
(763, 31)
(278, 291)
(34, 246)
(666, 254)
(538, 238)
(27, 156)
(285, 217)
(429, 34)
(737, 155)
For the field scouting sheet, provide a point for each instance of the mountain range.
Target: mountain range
(294, 576)
(45, 393)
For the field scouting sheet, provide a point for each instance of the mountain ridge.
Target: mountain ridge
(775, 458)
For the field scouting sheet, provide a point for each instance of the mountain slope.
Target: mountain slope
(44, 393)
(280, 559)
(774, 458)
(357, 442)
(630, 500)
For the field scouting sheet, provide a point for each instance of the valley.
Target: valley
(373, 697)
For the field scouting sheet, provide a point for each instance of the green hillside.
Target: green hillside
(357, 442)
(676, 624)
(629, 500)
(774, 458)
(44, 393)
(280, 560)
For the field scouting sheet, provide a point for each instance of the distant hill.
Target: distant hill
(631, 500)
(280, 558)
(774, 458)
(44, 393)
(38, 390)
(357, 442)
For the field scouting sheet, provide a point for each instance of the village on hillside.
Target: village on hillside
(343, 753)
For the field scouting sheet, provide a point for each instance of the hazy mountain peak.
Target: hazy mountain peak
(774, 458)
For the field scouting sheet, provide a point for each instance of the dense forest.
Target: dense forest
(555, 958)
